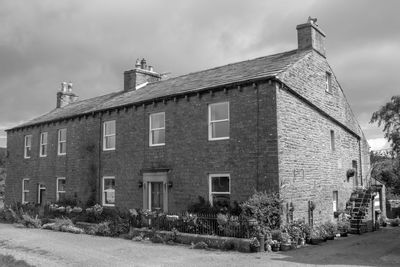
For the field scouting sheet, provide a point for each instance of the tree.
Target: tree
(389, 116)
(387, 168)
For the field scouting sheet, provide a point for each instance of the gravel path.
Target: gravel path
(47, 248)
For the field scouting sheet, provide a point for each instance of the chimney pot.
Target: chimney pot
(151, 68)
(143, 64)
(137, 65)
(65, 95)
(69, 87)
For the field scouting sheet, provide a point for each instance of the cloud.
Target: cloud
(378, 144)
(91, 43)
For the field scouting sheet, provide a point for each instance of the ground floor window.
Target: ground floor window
(108, 191)
(60, 196)
(335, 201)
(220, 189)
(25, 190)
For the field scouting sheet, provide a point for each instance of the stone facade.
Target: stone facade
(287, 134)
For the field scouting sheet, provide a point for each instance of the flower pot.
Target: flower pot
(275, 247)
(286, 247)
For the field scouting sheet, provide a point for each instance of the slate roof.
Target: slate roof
(263, 67)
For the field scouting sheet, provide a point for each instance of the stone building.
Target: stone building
(279, 123)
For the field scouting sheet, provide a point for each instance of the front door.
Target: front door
(155, 191)
(156, 196)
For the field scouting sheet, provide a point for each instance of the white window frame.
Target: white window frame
(24, 190)
(328, 82)
(61, 141)
(210, 193)
(102, 191)
(29, 136)
(332, 140)
(335, 199)
(58, 191)
(210, 122)
(42, 144)
(151, 130)
(110, 135)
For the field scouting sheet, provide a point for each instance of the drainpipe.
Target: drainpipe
(360, 158)
(99, 162)
(258, 137)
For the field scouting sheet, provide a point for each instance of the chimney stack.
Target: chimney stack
(310, 36)
(140, 76)
(65, 96)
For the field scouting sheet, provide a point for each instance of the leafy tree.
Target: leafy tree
(387, 167)
(389, 116)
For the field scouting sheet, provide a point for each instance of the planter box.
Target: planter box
(275, 248)
(286, 247)
(344, 234)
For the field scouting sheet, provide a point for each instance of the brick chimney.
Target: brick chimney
(140, 76)
(65, 96)
(310, 36)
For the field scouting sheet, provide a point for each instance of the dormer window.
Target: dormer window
(328, 82)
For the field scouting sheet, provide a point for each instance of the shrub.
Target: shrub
(71, 229)
(276, 235)
(331, 228)
(395, 222)
(60, 222)
(157, 239)
(30, 222)
(200, 245)
(343, 226)
(266, 209)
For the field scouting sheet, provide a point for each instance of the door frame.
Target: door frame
(149, 177)
(41, 187)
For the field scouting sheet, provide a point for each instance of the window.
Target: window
(332, 140)
(109, 135)
(27, 146)
(25, 190)
(62, 142)
(218, 121)
(60, 195)
(108, 191)
(157, 129)
(335, 201)
(220, 189)
(43, 144)
(328, 82)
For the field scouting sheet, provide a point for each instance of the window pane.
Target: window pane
(44, 150)
(157, 120)
(25, 185)
(43, 139)
(62, 134)
(26, 196)
(158, 137)
(63, 148)
(28, 140)
(61, 185)
(109, 127)
(109, 184)
(219, 111)
(110, 142)
(220, 184)
(28, 152)
(61, 196)
(220, 129)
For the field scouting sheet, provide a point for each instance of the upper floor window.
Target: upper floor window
(332, 140)
(328, 82)
(220, 189)
(25, 190)
(43, 144)
(157, 129)
(109, 135)
(108, 191)
(60, 189)
(27, 146)
(218, 121)
(62, 142)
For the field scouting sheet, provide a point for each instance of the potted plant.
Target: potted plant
(331, 230)
(350, 173)
(286, 242)
(343, 228)
(315, 237)
(275, 245)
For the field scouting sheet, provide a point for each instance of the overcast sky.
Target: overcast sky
(91, 43)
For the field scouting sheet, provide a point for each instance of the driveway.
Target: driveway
(47, 248)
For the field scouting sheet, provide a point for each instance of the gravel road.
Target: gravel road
(47, 248)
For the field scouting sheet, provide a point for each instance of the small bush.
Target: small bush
(395, 222)
(157, 239)
(200, 245)
(30, 222)
(60, 222)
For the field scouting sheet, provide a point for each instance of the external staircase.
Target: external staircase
(359, 208)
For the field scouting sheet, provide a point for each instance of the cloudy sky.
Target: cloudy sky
(91, 43)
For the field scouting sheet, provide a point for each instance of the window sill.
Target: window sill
(108, 149)
(109, 205)
(218, 139)
(156, 145)
(62, 154)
